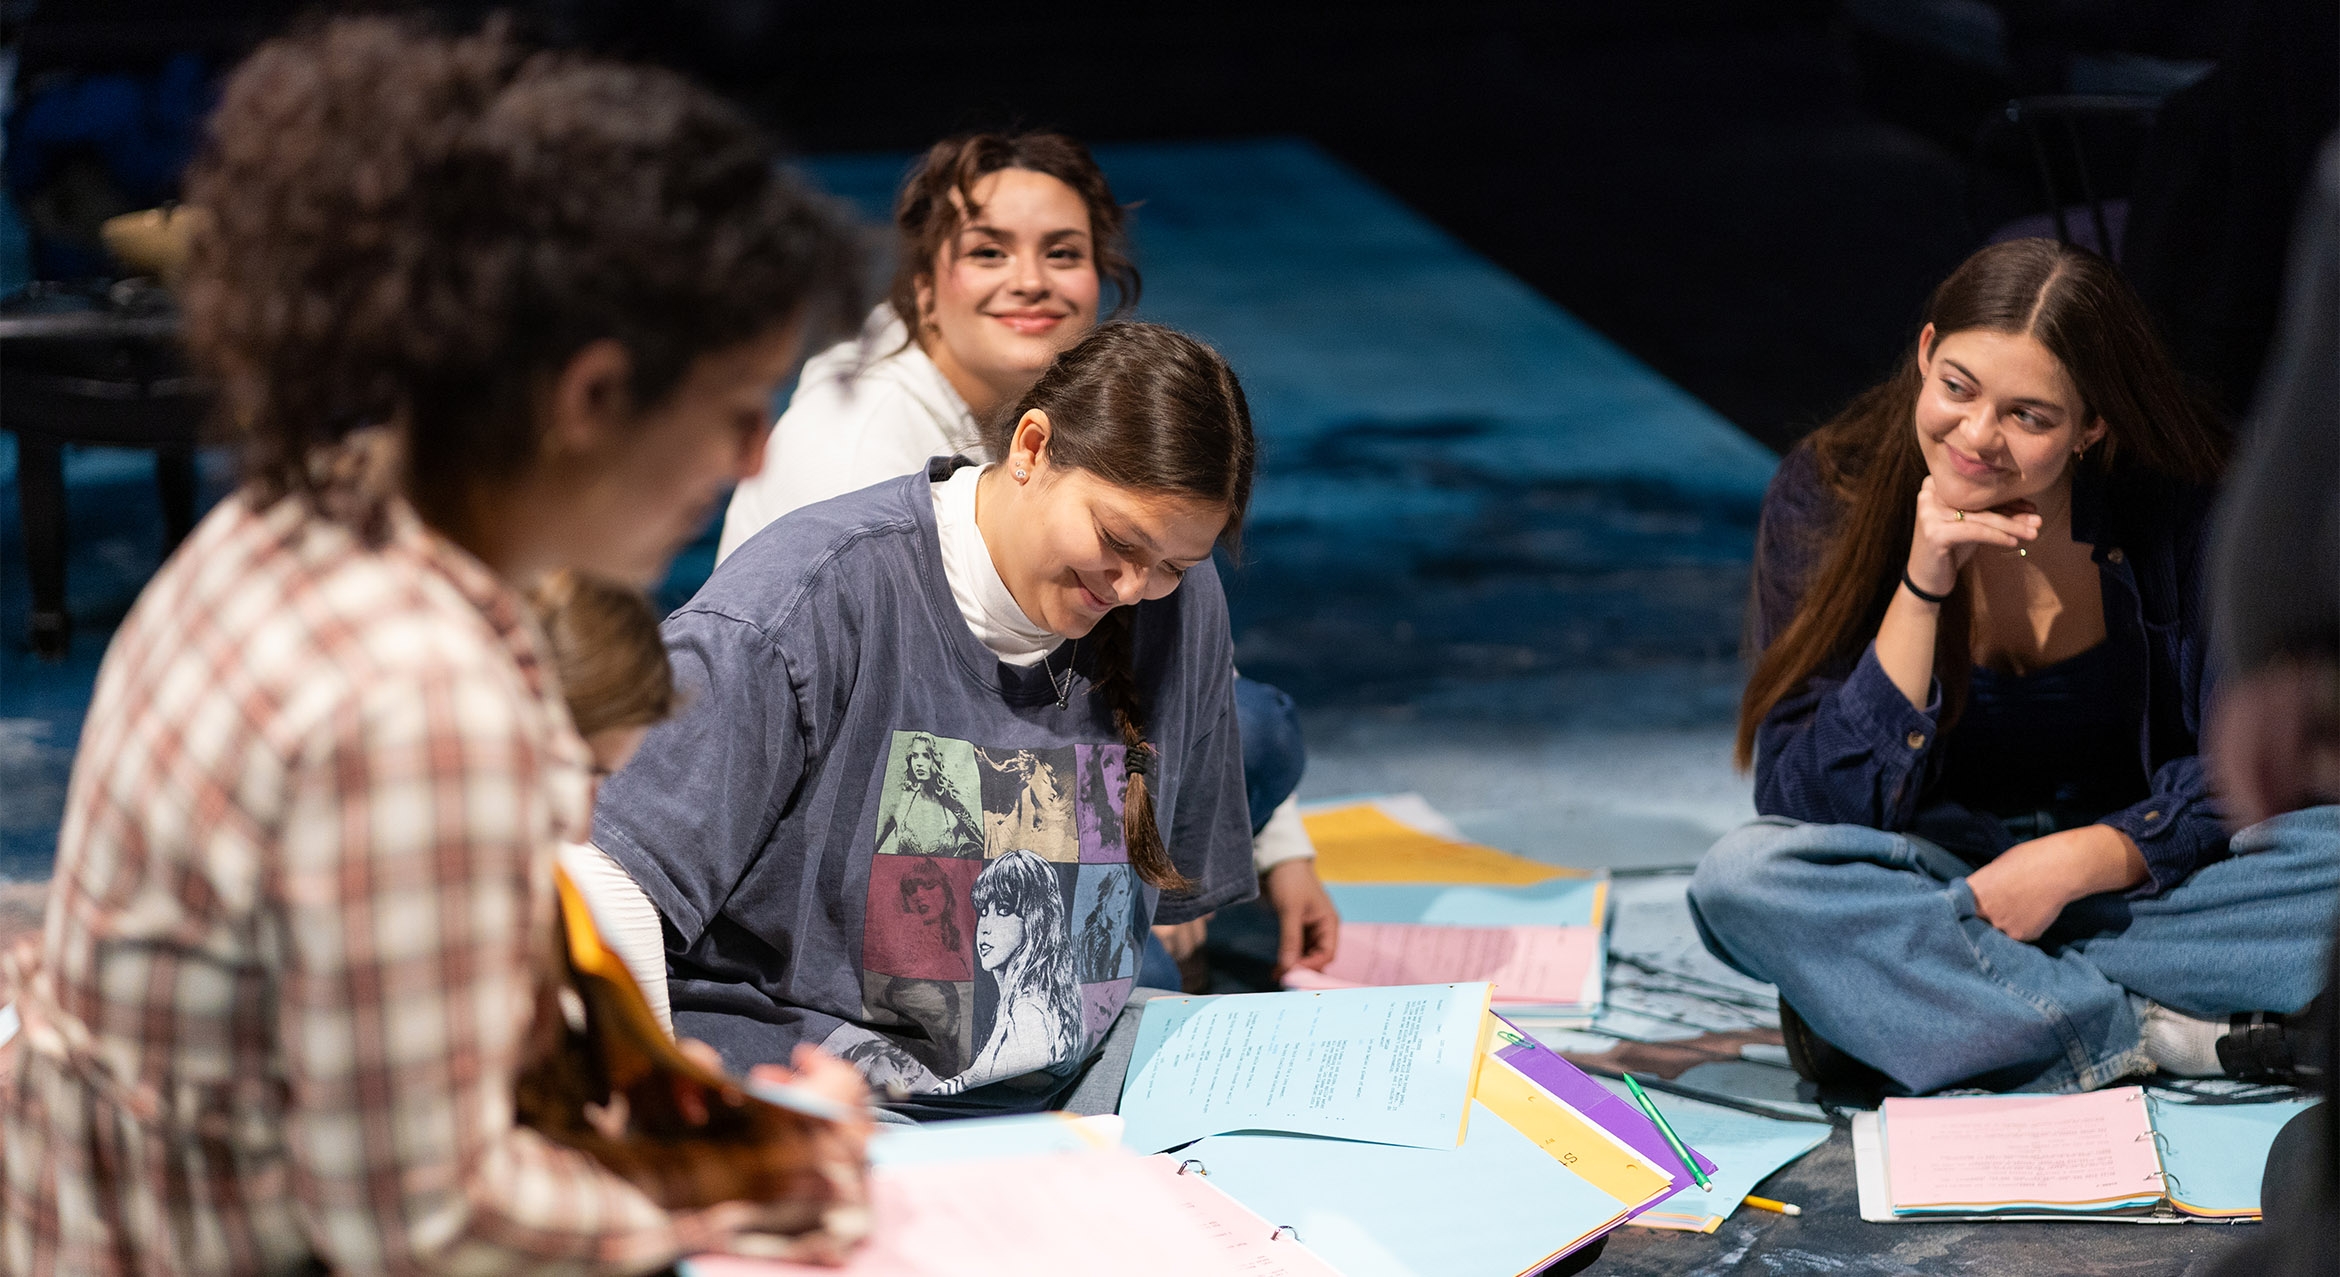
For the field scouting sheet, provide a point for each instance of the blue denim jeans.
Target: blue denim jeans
(1274, 756)
(1156, 968)
(1872, 937)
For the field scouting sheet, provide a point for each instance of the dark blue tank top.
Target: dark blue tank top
(2052, 749)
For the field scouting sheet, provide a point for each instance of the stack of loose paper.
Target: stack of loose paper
(1010, 1197)
(1543, 947)
(2119, 1153)
(1383, 1128)
(1418, 907)
(1403, 839)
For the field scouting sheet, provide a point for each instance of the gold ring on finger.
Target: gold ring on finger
(1959, 515)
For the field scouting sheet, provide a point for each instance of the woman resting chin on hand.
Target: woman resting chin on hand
(1989, 855)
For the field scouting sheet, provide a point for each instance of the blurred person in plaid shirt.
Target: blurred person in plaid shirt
(475, 315)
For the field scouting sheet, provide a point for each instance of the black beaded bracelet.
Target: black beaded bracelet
(1913, 588)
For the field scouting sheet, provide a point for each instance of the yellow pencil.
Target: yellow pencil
(1765, 1203)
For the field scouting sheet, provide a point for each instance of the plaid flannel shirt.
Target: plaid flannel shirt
(287, 975)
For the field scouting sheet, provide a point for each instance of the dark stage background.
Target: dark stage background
(1751, 197)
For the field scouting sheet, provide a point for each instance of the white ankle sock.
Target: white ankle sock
(2179, 1044)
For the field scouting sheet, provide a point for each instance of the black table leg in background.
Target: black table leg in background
(92, 367)
(40, 485)
(174, 480)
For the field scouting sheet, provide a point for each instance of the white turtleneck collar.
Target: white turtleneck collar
(983, 598)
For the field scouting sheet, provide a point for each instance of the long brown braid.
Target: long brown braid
(1148, 854)
(1143, 407)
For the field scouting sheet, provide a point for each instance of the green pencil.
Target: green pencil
(1650, 1110)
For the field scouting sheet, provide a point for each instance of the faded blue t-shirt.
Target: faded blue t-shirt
(866, 832)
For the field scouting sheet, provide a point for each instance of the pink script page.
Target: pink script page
(1994, 1150)
(1248, 1244)
(1525, 964)
(1101, 1212)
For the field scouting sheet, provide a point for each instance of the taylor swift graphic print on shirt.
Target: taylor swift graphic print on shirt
(1000, 934)
(1028, 804)
(931, 789)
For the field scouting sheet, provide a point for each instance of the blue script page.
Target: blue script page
(1390, 1065)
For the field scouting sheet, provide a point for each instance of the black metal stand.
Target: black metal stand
(91, 377)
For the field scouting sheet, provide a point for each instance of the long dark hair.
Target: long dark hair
(2078, 306)
(404, 226)
(926, 214)
(1142, 407)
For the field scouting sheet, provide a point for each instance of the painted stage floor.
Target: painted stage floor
(1500, 563)
(1477, 524)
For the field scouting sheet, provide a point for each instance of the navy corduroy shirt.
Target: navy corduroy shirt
(1849, 748)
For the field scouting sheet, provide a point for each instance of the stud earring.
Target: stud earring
(1022, 475)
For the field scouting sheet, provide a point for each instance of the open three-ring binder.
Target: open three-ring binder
(1396, 1132)
(2118, 1155)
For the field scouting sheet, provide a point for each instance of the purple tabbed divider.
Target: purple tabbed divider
(1618, 1116)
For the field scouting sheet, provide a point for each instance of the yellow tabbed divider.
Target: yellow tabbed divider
(1482, 1055)
(1571, 1140)
(1362, 843)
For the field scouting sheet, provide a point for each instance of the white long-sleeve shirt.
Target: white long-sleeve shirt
(865, 410)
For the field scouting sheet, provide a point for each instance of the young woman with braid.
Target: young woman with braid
(956, 741)
(1990, 855)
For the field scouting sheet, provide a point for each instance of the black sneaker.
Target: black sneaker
(2262, 1046)
(1822, 1063)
